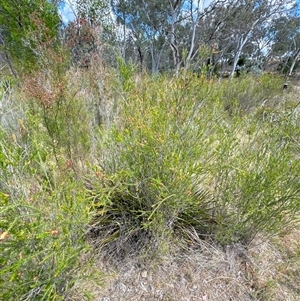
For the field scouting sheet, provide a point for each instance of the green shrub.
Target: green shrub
(176, 161)
(259, 187)
(55, 107)
(126, 72)
(43, 220)
(168, 164)
(149, 160)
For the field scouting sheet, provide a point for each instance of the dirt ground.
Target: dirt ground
(267, 270)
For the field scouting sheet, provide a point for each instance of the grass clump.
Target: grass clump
(258, 189)
(175, 161)
(147, 168)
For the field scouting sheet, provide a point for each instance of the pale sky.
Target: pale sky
(67, 8)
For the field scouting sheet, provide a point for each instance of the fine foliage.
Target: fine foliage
(178, 159)
(137, 166)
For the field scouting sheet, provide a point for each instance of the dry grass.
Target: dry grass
(278, 266)
(207, 273)
(268, 270)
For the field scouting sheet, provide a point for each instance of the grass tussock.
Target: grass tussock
(164, 178)
(177, 159)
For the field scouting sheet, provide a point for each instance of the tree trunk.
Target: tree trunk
(141, 57)
(242, 40)
(155, 59)
(176, 56)
(189, 56)
(294, 61)
(124, 40)
(11, 67)
(236, 56)
(7, 59)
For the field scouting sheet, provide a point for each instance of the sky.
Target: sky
(67, 7)
(66, 11)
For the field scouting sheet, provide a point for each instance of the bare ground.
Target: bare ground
(268, 270)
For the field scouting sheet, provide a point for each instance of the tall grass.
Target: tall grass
(141, 164)
(178, 159)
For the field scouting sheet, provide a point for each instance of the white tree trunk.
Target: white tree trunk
(242, 40)
(156, 58)
(237, 54)
(294, 61)
(173, 43)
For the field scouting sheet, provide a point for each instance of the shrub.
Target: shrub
(43, 220)
(44, 211)
(64, 115)
(258, 190)
(176, 161)
(148, 163)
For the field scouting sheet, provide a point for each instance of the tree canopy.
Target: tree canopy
(222, 36)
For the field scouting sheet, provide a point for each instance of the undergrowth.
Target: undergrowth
(177, 159)
(137, 166)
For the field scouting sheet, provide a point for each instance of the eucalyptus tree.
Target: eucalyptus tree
(164, 28)
(170, 34)
(202, 27)
(91, 29)
(286, 41)
(241, 18)
(146, 24)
